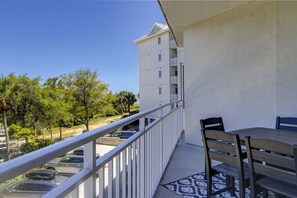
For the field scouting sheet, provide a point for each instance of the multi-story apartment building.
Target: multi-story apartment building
(160, 68)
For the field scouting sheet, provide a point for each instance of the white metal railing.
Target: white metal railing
(173, 61)
(132, 169)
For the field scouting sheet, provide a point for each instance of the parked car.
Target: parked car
(123, 134)
(80, 151)
(69, 164)
(36, 184)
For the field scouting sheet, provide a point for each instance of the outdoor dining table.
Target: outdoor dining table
(289, 137)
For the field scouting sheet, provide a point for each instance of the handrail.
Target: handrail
(11, 168)
(65, 188)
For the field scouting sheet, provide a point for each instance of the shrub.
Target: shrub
(34, 145)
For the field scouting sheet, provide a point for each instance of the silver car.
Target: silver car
(37, 184)
(67, 164)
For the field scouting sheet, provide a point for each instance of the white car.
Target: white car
(37, 184)
(69, 164)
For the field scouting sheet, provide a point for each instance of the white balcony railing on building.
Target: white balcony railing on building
(173, 79)
(173, 97)
(173, 61)
(172, 44)
(132, 169)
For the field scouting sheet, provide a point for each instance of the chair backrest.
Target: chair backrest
(212, 124)
(222, 147)
(272, 159)
(286, 123)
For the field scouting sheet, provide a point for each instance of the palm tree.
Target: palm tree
(130, 100)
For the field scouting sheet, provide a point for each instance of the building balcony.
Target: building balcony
(173, 97)
(173, 61)
(172, 44)
(134, 168)
(173, 80)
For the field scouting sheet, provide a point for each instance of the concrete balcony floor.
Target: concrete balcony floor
(186, 160)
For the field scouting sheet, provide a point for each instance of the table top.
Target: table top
(289, 137)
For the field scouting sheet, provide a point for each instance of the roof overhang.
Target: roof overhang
(143, 38)
(180, 14)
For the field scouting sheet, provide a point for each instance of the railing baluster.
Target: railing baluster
(101, 182)
(110, 178)
(150, 163)
(124, 172)
(129, 171)
(142, 167)
(138, 187)
(147, 164)
(118, 176)
(90, 163)
(134, 173)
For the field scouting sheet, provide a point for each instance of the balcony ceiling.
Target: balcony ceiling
(182, 13)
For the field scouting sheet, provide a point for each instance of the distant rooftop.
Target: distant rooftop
(156, 29)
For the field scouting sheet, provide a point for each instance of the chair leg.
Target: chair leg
(227, 180)
(209, 185)
(265, 193)
(241, 188)
(205, 177)
(232, 183)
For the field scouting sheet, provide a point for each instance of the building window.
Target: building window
(175, 72)
(160, 74)
(159, 40)
(159, 57)
(160, 90)
(176, 90)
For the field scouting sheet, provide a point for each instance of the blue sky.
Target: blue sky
(48, 38)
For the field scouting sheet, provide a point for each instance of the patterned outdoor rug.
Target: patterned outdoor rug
(196, 187)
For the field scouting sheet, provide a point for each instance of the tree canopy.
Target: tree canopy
(30, 105)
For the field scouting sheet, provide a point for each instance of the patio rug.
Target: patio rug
(196, 187)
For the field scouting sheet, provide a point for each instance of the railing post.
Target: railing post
(90, 163)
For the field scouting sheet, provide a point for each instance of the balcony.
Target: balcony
(172, 44)
(173, 61)
(186, 160)
(173, 97)
(132, 169)
(173, 80)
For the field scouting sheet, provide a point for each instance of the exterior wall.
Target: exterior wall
(149, 67)
(241, 65)
(286, 86)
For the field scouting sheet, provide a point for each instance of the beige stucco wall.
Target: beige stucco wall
(286, 49)
(241, 65)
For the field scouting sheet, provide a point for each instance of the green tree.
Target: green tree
(124, 101)
(130, 100)
(54, 107)
(26, 101)
(19, 133)
(34, 145)
(108, 109)
(87, 93)
(7, 84)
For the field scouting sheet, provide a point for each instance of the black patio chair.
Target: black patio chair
(286, 123)
(225, 148)
(215, 123)
(277, 162)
